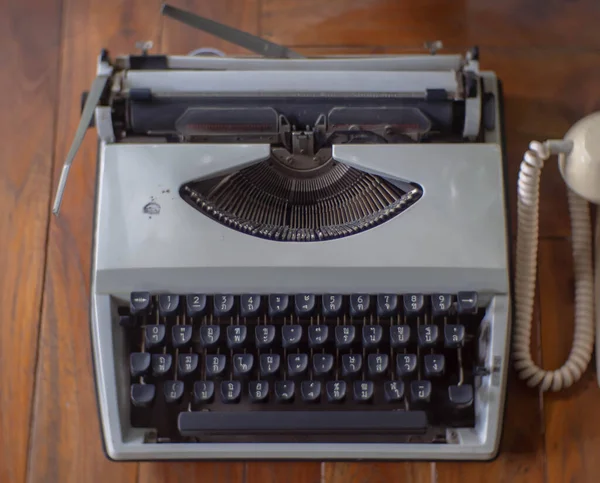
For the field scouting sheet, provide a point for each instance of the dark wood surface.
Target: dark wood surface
(548, 55)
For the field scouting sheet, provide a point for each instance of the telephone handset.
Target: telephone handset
(579, 163)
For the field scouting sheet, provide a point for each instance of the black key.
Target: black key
(209, 335)
(305, 304)
(339, 423)
(393, 391)
(297, 364)
(317, 336)
(168, 304)
(215, 365)
(406, 364)
(466, 302)
(196, 304)
(224, 305)
(360, 304)
(231, 391)
(161, 364)
(461, 396)
(332, 305)
(173, 391)
(258, 391)
(269, 364)
(363, 391)
(399, 336)
(181, 335)
(127, 321)
(310, 391)
(284, 391)
(142, 395)
(420, 391)
(155, 335)
(187, 364)
(441, 303)
(250, 305)
(371, 336)
(428, 335)
(139, 303)
(204, 391)
(351, 364)
(264, 335)
(234, 423)
(242, 364)
(454, 336)
(377, 364)
(435, 365)
(279, 305)
(291, 336)
(413, 304)
(236, 336)
(344, 336)
(336, 391)
(322, 364)
(387, 305)
(139, 363)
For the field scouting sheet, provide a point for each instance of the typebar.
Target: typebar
(198, 423)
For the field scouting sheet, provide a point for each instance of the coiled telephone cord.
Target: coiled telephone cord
(526, 268)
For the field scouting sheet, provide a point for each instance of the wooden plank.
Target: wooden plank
(179, 39)
(276, 472)
(205, 472)
(458, 24)
(374, 472)
(572, 428)
(65, 442)
(29, 49)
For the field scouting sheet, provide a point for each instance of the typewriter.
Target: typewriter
(298, 258)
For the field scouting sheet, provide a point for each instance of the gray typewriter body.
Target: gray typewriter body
(451, 239)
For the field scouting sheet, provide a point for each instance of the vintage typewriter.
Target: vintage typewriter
(298, 258)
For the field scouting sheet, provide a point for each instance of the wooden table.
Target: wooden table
(547, 53)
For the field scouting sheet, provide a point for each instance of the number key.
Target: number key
(305, 304)
(249, 305)
(441, 303)
(413, 304)
(224, 305)
(195, 304)
(360, 305)
(168, 304)
(387, 305)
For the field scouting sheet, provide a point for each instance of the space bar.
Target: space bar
(261, 422)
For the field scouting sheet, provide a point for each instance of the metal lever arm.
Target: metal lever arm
(86, 117)
(243, 39)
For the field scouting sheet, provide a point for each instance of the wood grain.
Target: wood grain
(65, 443)
(409, 24)
(29, 52)
(572, 428)
(276, 472)
(375, 472)
(205, 472)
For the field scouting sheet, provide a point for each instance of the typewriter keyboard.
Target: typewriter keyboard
(302, 367)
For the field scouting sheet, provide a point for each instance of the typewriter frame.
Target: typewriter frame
(126, 444)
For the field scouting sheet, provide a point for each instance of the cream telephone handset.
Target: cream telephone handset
(579, 163)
